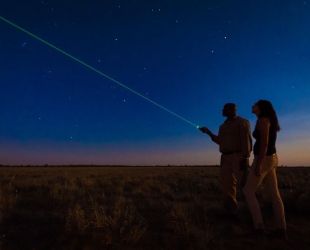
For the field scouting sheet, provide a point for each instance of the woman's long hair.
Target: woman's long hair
(267, 110)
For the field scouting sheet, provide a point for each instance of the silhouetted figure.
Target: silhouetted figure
(264, 167)
(235, 144)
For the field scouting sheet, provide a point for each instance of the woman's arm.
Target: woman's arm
(263, 125)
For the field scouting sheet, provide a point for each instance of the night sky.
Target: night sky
(190, 57)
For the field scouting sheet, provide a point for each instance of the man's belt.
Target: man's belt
(231, 152)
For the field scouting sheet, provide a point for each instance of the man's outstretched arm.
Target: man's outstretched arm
(213, 137)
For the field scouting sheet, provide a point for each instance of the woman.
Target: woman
(264, 167)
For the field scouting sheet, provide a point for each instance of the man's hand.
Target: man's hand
(244, 163)
(209, 133)
(204, 130)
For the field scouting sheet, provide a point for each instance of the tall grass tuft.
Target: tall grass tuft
(188, 233)
(2, 234)
(8, 199)
(76, 221)
(122, 225)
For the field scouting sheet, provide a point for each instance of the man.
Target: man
(235, 144)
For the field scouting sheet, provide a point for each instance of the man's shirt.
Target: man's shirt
(235, 135)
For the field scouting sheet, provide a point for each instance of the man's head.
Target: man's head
(229, 110)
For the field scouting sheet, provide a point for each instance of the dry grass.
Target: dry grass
(139, 208)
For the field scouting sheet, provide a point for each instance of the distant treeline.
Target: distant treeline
(100, 166)
(130, 166)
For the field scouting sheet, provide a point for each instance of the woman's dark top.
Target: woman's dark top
(271, 148)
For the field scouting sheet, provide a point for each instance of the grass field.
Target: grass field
(139, 208)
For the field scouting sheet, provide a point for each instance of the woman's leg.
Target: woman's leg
(272, 188)
(251, 186)
(249, 191)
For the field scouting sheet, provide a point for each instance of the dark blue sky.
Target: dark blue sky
(191, 57)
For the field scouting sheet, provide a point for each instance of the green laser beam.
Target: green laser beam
(99, 72)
